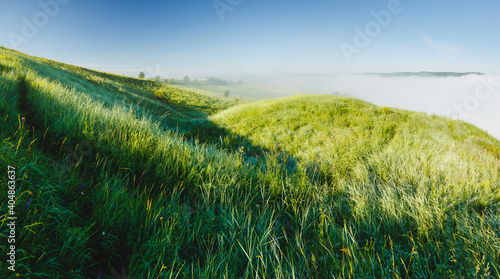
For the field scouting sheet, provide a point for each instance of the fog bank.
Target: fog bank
(471, 98)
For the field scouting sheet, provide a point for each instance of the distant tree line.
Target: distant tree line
(220, 81)
(187, 81)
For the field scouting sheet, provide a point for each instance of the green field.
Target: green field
(117, 175)
(244, 92)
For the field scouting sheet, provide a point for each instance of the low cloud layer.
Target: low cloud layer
(472, 98)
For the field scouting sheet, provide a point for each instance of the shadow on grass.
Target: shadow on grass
(193, 251)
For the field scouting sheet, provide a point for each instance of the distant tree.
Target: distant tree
(226, 93)
(216, 81)
(185, 80)
(141, 75)
(156, 78)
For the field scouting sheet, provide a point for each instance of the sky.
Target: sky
(254, 37)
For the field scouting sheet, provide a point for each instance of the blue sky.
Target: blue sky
(253, 37)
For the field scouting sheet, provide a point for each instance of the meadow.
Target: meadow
(242, 92)
(118, 176)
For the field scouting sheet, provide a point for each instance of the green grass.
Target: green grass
(170, 183)
(243, 92)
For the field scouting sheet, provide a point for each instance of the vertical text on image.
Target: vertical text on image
(11, 255)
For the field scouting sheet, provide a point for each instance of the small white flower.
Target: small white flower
(103, 233)
(82, 193)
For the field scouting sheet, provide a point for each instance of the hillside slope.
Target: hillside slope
(146, 96)
(351, 140)
(117, 175)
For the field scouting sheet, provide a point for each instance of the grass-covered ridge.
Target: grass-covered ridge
(343, 188)
(350, 140)
(157, 99)
(412, 155)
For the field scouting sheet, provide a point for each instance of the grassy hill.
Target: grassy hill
(117, 175)
(243, 92)
(351, 141)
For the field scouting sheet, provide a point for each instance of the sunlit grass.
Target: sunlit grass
(305, 187)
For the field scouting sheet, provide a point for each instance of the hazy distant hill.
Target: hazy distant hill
(424, 74)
